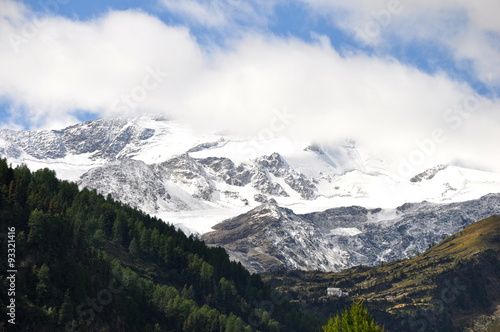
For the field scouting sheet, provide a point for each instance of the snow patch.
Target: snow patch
(345, 231)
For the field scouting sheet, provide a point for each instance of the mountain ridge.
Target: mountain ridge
(203, 174)
(270, 237)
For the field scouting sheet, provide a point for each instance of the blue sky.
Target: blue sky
(288, 19)
(363, 69)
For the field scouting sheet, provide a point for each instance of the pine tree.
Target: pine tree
(356, 319)
(43, 287)
(133, 248)
(66, 311)
(119, 230)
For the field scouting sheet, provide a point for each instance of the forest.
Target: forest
(85, 262)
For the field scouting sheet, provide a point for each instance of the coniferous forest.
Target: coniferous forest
(85, 262)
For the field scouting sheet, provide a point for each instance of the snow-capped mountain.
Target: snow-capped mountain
(194, 180)
(270, 237)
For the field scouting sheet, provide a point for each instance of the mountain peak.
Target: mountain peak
(194, 173)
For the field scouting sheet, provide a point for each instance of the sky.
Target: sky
(415, 81)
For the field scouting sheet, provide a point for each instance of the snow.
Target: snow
(342, 172)
(382, 216)
(171, 138)
(199, 221)
(69, 168)
(346, 231)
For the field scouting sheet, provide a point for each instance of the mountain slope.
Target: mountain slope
(270, 237)
(165, 168)
(452, 286)
(82, 262)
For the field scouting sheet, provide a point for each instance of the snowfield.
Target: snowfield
(195, 181)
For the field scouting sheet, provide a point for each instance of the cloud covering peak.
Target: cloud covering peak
(131, 62)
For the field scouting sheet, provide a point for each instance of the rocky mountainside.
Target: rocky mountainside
(453, 286)
(270, 237)
(428, 174)
(196, 180)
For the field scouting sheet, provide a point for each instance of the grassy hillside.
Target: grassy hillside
(452, 286)
(87, 263)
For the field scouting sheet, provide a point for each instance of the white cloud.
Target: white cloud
(469, 29)
(97, 65)
(69, 65)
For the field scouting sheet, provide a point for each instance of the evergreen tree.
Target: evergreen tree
(355, 319)
(119, 230)
(133, 248)
(43, 288)
(66, 311)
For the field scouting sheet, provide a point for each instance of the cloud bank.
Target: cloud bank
(131, 63)
(469, 30)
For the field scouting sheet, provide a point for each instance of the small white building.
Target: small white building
(330, 291)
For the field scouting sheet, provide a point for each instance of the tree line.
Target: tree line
(86, 262)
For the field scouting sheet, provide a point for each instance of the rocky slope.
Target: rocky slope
(453, 286)
(270, 237)
(166, 169)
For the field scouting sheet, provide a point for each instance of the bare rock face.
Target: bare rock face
(127, 181)
(428, 174)
(277, 166)
(270, 237)
(223, 169)
(242, 238)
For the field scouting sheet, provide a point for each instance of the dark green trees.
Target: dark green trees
(86, 262)
(354, 319)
